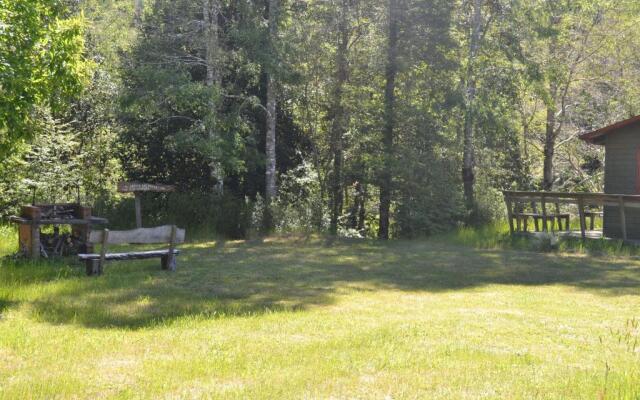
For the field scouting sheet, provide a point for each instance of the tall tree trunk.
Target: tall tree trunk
(210, 13)
(138, 7)
(271, 189)
(468, 157)
(357, 212)
(389, 120)
(270, 148)
(550, 129)
(339, 122)
(549, 145)
(362, 214)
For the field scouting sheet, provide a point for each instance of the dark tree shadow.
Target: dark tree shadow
(4, 305)
(238, 279)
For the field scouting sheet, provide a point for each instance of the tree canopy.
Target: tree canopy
(41, 64)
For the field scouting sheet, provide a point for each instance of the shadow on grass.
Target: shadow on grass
(243, 279)
(4, 304)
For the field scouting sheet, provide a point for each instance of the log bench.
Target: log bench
(167, 234)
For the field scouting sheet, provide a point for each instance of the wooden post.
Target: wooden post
(545, 227)
(583, 222)
(510, 213)
(558, 218)
(29, 233)
(623, 218)
(35, 240)
(138, 210)
(93, 267)
(82, 231)
(169, 263)
(103, 250)
(137, 188)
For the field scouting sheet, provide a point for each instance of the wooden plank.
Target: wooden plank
(574, 195)
(35, 241)
(135, 255)
(613, 201)
(83, 212)
(169, 261)
(92, 267)
(623, 218)
(510, 213)
(138, 210)
(132, 187)
(637, 170)
(583, 222)
(558, 216)
(567, 194)
(160, 234)
(24, 238)
(103, 250)
(31, 213)
(545, 227)
(61, 221)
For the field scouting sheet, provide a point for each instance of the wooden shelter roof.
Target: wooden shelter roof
(597, 136)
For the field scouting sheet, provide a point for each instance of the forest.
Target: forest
(319, 199)
(376, 118)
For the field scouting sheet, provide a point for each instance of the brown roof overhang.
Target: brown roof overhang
(597, 136)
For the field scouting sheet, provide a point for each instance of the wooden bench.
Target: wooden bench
(163, 234)
(592, 215)
(522, 219)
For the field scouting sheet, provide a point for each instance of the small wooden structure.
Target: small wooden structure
(137, 189)
(623, 204)
(622, 174)
(32, 218)
(163, 234)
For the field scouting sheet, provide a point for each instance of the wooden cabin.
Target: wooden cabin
(622, 172)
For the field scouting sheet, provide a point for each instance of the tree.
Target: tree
(41, 64)
(210, 14)
(391, 72)
(468, 158)
(271, 118)
(559, 43)
(338, 115)
(138, 6)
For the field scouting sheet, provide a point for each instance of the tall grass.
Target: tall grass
(497, 236)
(8, 239)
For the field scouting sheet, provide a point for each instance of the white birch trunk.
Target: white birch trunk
(210, 12)
(270, 150)
(468, 157)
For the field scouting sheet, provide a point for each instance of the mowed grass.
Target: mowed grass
(305, 318)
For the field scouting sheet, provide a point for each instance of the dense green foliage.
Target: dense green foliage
(425, 108)
(41, 64)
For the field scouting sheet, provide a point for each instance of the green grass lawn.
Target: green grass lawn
(302, 318)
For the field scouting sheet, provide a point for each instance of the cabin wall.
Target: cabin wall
(620, 178)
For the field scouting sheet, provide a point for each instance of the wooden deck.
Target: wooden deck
(594, 235)
(588, 235)
(582, 201)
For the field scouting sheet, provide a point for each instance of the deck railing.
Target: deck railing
(582, 200)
